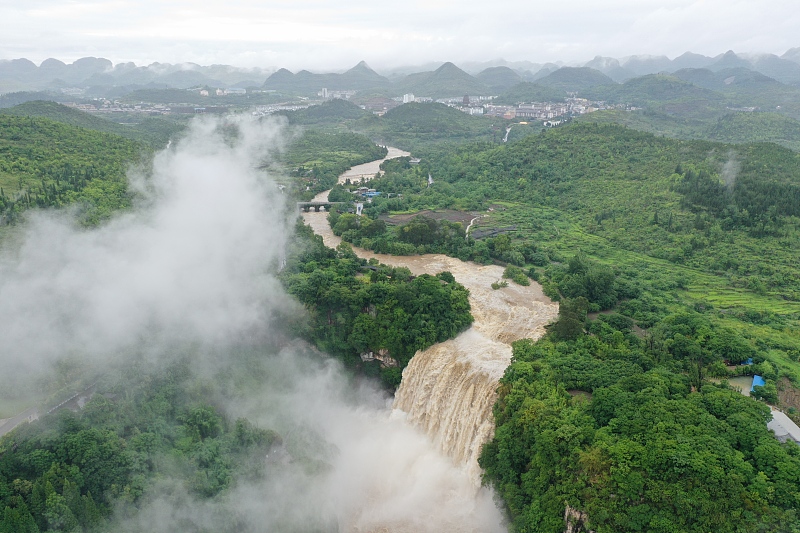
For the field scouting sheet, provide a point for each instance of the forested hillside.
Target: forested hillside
(608, 426)
(358, 308)
(50, 164)
(417, 126)
(633, 191)
(628, 416)
(316, 159)
(152, 131)
(71, 470)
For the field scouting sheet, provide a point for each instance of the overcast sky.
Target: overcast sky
(320, 35)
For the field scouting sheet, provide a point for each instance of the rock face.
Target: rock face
(575, 521)
(386, 360)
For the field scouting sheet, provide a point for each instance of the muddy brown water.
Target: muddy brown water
(448, 390)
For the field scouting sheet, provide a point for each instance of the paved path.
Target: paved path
(28, 415)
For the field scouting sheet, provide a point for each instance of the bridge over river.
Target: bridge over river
(317, 205)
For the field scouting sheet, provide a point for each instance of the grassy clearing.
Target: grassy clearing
(553, 231)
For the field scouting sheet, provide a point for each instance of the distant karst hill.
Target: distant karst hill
(499, 79)
(447, 80)
(333, 111)
(360, 77)
(660, 91)
(52, 74)
(530, 92)
(152, 131)
(575, 79)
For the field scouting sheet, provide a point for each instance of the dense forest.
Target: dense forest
(72, 470)
(358, 307)
(674, 262)
(616, 428)
(50, 164)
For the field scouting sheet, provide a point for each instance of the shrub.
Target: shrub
(517, 275)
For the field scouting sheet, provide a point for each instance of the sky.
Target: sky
(325, 35)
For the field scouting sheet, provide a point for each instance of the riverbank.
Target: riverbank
(449, 389)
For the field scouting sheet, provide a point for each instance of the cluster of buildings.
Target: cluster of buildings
(232, 91)
(264, 110)
(366, 192)
(328, 94)
(103, 105)
(545, 110)
(551, 113)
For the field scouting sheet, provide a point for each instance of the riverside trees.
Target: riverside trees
(355, 307)
(638, 448)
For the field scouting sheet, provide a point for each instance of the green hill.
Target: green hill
(446, 81)
(419, 127)
(153, 131)
(663, 93)
(575, 79)
(333, 111)
(362, 77)
(11, 99)
(726, 79)
(44, 163)
(530, 92)
(747, 88)
(757, 127)
(701, 104)
(499, 79)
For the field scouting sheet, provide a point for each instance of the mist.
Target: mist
(730, 170)
(188, 263)
(190, 272)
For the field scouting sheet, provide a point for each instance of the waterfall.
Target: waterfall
(449, 389)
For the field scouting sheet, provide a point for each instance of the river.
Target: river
(449, 389)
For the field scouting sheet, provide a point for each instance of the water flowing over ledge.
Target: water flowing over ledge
(449, 389)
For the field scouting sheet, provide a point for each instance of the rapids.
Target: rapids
(449, 389)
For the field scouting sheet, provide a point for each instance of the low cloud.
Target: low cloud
(188, 264)
(189, 272)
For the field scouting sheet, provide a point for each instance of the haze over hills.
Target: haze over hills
(499, 79)
(470, 78)
(688, 96)
(447, 80)
(359, 77)
(22, 74)
(673, 258)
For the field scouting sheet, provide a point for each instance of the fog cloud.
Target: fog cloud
(189, 263)
(347, 463)
(193, 265)
(730, 170)
(321, 35)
